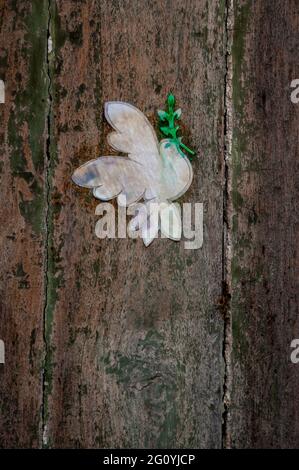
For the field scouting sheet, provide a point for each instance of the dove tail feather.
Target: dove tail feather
(154, 216)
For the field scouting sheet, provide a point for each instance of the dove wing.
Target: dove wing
(111, 177)
(133, 134)
(130, 176)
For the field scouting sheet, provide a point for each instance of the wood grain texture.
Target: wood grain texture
(265, 404)
(134, 337)
(109, 343)
(23, 38)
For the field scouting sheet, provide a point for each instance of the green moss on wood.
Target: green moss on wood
(30, 115)
(154, 375)
(33, 210)
(242, 17)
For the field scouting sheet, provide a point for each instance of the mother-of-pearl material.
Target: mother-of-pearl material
(152, 171)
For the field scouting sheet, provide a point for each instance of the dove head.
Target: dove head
(177, 169)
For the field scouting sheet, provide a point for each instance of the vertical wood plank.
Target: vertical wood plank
(264, 408)
(23, 68)
(134, 337)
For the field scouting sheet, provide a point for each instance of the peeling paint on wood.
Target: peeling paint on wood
(22, 214)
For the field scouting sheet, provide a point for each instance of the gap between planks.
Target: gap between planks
(227, 226)
(44, 411)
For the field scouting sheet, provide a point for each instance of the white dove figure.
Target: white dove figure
(158, 173)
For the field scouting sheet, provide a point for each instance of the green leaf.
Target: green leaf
(178, 113)
(170, 100)
(162, 115)
(165, 130)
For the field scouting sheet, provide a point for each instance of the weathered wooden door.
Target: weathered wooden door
(112, 344)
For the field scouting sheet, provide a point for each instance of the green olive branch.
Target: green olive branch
(168, 126)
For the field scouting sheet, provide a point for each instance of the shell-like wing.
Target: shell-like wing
(124, 176)
(113, 176)
(133, 135)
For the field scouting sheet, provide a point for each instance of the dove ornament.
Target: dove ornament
(157, 173)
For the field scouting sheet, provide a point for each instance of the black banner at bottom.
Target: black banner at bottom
(132, 458)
